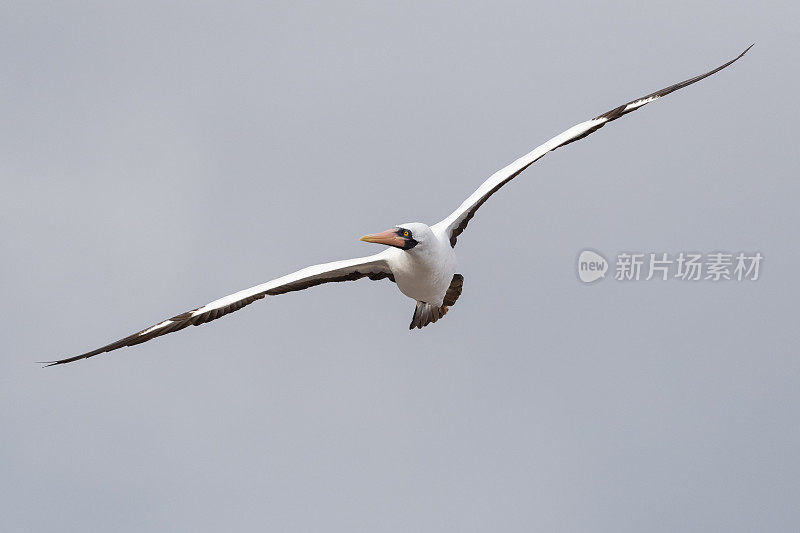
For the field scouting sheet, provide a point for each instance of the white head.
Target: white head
(404, 236)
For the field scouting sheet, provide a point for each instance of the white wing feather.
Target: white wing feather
(374, 267)
(457, 221)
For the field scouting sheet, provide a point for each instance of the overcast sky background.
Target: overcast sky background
(154, 158)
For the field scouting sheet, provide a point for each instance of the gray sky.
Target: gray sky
(155, 158)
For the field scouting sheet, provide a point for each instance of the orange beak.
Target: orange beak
(388, 237)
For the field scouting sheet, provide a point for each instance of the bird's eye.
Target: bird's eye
(406, 233)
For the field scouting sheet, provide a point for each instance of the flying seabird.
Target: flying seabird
(419, 258)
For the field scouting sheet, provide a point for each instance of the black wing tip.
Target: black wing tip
(72, 359)
(743, 53)
(59, 362)
(737, 58)
(623, 109)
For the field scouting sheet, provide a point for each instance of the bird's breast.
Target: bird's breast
(424, 277)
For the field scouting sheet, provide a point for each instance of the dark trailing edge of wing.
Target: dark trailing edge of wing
(458, 230)
(187, 319)
(454, 291)
(305, 284)
(611, 115)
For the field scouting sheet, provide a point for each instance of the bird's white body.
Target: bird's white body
(419, 258)
(425, 272)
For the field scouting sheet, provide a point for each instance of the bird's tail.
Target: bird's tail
(425, 314)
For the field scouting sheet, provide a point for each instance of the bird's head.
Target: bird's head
(403, 236)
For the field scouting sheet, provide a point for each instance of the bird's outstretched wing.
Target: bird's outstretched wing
(373, 267)
(457, 221)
